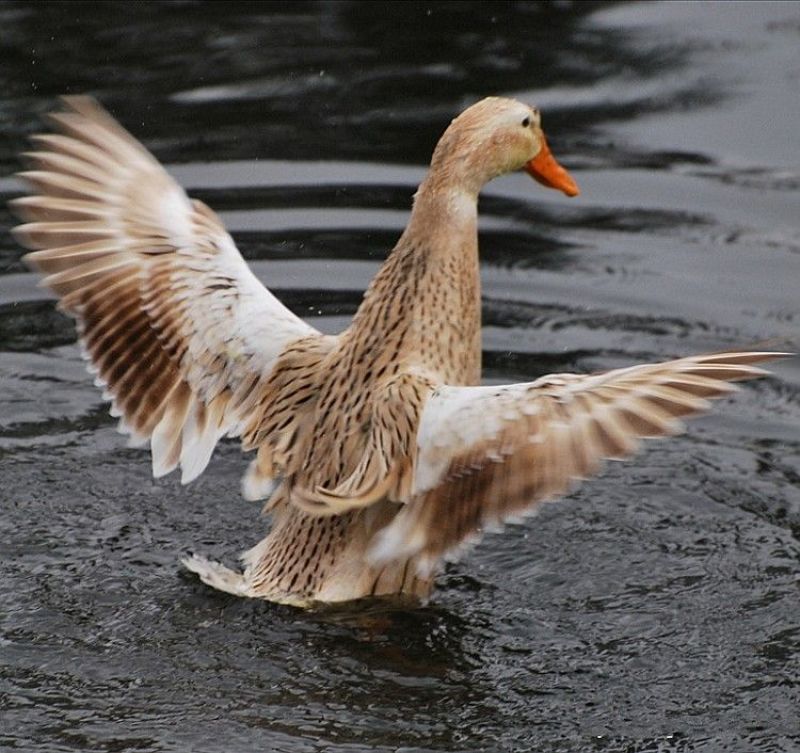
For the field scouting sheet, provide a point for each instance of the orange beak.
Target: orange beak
(544, 168)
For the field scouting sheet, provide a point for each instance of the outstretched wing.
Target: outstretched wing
(489, 454)
(181, 334)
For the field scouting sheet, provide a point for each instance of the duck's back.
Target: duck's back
(418, 327)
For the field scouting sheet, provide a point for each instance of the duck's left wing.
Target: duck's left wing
(489, 454)
(182, 335)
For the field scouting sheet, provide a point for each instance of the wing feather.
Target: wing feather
(486, 455)
(182, 336)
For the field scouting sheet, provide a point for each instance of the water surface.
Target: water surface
(656, 609)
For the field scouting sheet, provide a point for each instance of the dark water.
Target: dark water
(658, 609)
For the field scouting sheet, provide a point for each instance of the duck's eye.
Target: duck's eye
(526, 121)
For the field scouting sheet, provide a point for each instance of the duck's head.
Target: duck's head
(497, 136)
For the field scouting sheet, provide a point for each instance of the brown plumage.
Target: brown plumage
(377, 452)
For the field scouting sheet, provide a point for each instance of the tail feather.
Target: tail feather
(217, 575)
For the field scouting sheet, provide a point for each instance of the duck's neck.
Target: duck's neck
(444, 217)
(424, 304)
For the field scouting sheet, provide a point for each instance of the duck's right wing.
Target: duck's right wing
(485, 455)
(181, 334)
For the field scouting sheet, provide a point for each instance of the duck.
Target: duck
(377, 453)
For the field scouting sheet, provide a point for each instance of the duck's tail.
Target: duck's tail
(218, 576)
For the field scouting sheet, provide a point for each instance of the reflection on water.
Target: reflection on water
(654, 610)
